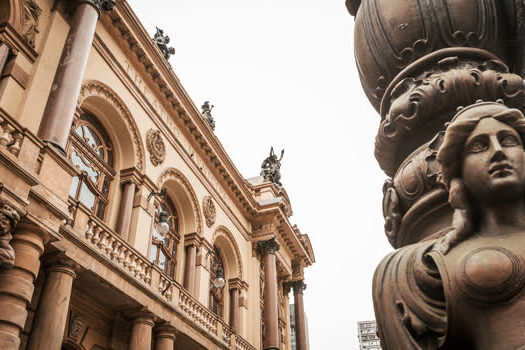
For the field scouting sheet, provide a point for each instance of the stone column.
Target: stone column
(16, 284)
(126, 210)
(300, 322)
(189, 269)
(234, 308)
(51, 314)
(140, 338)
(61, 104)
(271, 300)
(4, 55)
(164, 337)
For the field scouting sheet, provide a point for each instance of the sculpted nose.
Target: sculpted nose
(497, 152)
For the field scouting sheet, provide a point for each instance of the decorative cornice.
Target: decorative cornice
(268, 247)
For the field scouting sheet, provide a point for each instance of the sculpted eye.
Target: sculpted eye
(477, 146)
(509, 141)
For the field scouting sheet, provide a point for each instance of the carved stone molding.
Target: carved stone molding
(425, 96)
(94, 88)
(32, 14)
(76, 325)
(156, 147)
(174, 174)
(268, 247)
(228, 236)
(208, 208)
(9, 219)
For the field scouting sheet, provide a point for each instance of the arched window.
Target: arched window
(164, 249)
(216, 293)
(90, 150)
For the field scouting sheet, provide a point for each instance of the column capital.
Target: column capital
(165, 330)
(268, 247)
(298, 286)
(100, 5)
(59, 262)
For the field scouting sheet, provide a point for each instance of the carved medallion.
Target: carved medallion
(209, 211)
(156, 147)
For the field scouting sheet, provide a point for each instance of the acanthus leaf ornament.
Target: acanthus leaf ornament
(208, 208)
(102, 5)
(156, 147)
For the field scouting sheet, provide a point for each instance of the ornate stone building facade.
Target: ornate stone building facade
(125, 225)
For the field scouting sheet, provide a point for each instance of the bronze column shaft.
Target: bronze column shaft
(17, 284)
(126, 210)
(51, 315)
(234, 308)
(300, 322)
(4, 55)
(271, 301)
(62, 101)
(141, 331)
(189, 270)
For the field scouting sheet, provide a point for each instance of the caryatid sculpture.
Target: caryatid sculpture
(447, 80)
(9, 219)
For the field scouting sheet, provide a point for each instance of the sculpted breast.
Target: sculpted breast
(492, 274)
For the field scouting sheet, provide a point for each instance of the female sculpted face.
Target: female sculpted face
(493, 162)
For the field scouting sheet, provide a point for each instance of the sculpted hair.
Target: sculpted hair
(450, 156)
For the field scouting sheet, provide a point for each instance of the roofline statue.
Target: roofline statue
(271, 168)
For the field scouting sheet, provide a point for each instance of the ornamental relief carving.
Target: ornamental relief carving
(9, 219)
(32, 13)
(156, 147)
(209, 211)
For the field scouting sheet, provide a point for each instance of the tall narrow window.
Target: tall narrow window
(164, 248)
(216, 293)
(91, 152)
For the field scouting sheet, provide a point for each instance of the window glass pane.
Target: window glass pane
(156, 235)
(172, 270)
(153, 253)
(74, 186)
(83, 165)
(162, 260)
(101, 210)
(86, 197)
(91, 138)
(105, 187)
(174, 250)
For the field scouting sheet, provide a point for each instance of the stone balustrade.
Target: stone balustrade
(242, 344)
(198, 312)
(11, 136)
(110, 245)
(117, 250)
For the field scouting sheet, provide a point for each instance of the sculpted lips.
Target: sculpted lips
(500, 169)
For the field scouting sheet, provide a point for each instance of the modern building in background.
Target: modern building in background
(366, 333)
(124, 224)
(293, 325)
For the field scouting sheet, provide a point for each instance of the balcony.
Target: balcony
(109, 246)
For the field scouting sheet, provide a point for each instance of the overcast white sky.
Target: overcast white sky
(282, 73)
